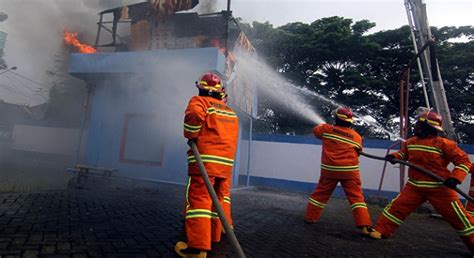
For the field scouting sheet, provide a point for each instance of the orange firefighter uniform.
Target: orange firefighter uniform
(214, 126)
(433, 153)
(470, 206)
(339, 163)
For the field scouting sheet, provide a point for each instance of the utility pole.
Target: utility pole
(420, 30)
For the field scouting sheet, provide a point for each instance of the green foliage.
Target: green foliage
(336, 58)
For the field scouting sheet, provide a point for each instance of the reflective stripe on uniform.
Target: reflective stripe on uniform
(212, 159)
(465, 221)
(463, 168)
(220, 112)
(388, 215)
(215, 215)
(340, 168)
(227, 199)
(392, 218)
(316, 203)
(402, 155)
(425, 148)
(425, 184)
(198, 213)
(359, 205)
(341, 139)
(187, 193)
(192, 128)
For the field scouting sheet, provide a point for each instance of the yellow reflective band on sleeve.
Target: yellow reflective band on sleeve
(414, 147)
(425, 184)
(463, 168)
(341, 139)
(192, 128)
(198, 213)
(392, 218)
(316, 203)
(465, 221)
(215, 215)
(227, 199)
(359, 205)
(219, 112)
(402, 155)
(212, 159)
(340, 168)
(471, 213)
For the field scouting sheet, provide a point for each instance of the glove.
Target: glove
(390, 158)
(451, 182)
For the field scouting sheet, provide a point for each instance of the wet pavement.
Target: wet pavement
(147, 222)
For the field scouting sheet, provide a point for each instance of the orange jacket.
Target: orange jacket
(215, 127)
(433, 153)
(340, 157)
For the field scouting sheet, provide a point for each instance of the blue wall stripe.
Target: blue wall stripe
(306, 139)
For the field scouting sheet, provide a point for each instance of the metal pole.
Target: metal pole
(227, 18)
(228, 229)
(249, 150)
(415, 47)
(98, 31)
(83, 120)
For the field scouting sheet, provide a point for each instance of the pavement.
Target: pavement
(147, 222)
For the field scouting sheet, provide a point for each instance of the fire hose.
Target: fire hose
(423, 170)
(228, 229)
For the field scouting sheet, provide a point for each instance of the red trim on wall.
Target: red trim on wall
(123, 144)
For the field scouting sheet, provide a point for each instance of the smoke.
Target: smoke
(35, 37)
(206, 6)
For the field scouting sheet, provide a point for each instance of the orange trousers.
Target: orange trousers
(202, 223)
(353, 191)
(443, 199)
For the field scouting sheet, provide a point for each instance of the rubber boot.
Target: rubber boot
(366, 230)
(375, 234)
(183, 250)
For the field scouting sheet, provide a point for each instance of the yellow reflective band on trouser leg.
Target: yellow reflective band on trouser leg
(227, 199)
(187, 193)
(198, 213)
(359, 205)
(392, 218)
(468, 228)
(316, 203)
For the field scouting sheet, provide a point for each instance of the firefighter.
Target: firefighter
(214, 127)
(339, 163)
(434, 153)
(469, 205)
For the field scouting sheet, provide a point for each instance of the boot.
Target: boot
(375, 234)
(365, 230)
(183, 250)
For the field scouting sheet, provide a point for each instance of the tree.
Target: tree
(335, 57)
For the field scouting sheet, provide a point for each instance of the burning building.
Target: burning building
(141, 77)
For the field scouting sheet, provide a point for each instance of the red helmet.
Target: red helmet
(344, 114)
(210, 82)
(432, 118)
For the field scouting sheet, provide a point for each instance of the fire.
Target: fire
(70, 38)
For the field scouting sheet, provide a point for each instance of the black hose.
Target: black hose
(228, 229)
(423, 170)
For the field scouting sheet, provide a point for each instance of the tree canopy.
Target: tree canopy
(337, 58)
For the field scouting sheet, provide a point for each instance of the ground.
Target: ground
(147, 223)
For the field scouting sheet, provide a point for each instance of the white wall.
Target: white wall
(48, 140)
(301, 162)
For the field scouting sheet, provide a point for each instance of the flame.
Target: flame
(70, 38)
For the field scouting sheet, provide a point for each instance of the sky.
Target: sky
(35, 28)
